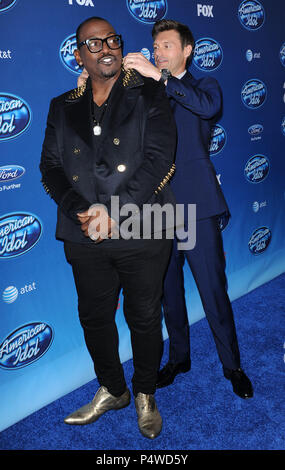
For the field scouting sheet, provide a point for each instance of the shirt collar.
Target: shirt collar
(180, 75)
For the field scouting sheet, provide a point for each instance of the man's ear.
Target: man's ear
(76, 54)
(187, 51)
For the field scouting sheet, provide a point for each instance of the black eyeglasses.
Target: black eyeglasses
(96, 44)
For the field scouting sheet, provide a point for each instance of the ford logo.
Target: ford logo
(255, 129)
(282, 54)
(25, 345)
(15, 116)
(253, 93)
(259, 240)
(218, 140)
(19, 233)
(6, 4)
(256, 169)
(11, 172)
(208, 54)
(66, 50)
(147, 11)
(251, 14)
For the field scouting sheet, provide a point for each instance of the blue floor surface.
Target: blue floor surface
(199, 410)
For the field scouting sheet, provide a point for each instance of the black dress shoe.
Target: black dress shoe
(168, 373)
(240, 382)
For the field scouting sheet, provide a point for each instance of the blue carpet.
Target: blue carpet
(199, 410)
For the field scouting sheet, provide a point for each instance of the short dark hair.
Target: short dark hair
(92, 18)
(183, 30)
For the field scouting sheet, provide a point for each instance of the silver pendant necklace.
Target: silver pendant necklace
(97, 129)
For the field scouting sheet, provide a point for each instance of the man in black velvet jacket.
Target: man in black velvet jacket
(113, 137)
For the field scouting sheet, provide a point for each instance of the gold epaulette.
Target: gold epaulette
(77, 92)
(46, 188)
(131, 78)
(166, 179)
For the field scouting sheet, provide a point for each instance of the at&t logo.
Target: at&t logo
(208, 54)
(282, 54)
(250, 55)
(256, 206)
(251, 14)
(218, 139)
(283, 126)
(66, 50)
(146, 53)
(253, 93)
(6, 4)
(15, 116)
(147, 11)
(11, 293)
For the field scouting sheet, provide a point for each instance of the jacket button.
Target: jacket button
(121, 168)
(75, 178)
(178, 93)
(116, 141)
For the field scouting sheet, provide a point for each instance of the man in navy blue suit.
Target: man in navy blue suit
(196, 105)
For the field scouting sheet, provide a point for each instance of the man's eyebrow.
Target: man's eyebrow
(165, 41)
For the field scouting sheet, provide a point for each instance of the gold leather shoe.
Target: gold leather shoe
(149, 419)
(103, 401)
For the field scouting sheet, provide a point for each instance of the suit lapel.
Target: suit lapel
(122, 100)
(78, 114)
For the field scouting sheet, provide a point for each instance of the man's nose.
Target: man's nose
(105, 47)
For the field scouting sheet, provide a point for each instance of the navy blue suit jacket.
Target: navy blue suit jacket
(196, 105)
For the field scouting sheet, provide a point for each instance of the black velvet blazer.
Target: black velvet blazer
(133, 158)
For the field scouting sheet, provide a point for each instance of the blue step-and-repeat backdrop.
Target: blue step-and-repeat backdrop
(242, 45)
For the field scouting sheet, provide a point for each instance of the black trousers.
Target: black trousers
(100, 270)
(207, 264)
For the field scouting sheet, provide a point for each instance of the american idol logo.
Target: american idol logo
(15, 116)
(282, 54)
(255, 129)
(6, 4)
(253, 93)
(218, 139)
(66, 55)
(256, 169)
(10, 173)
(259, 240)
(251, 14)
(147, 11)
(19, 233)
(208, 54)
(25, 345)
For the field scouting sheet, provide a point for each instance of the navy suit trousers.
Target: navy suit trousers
(207, 263)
